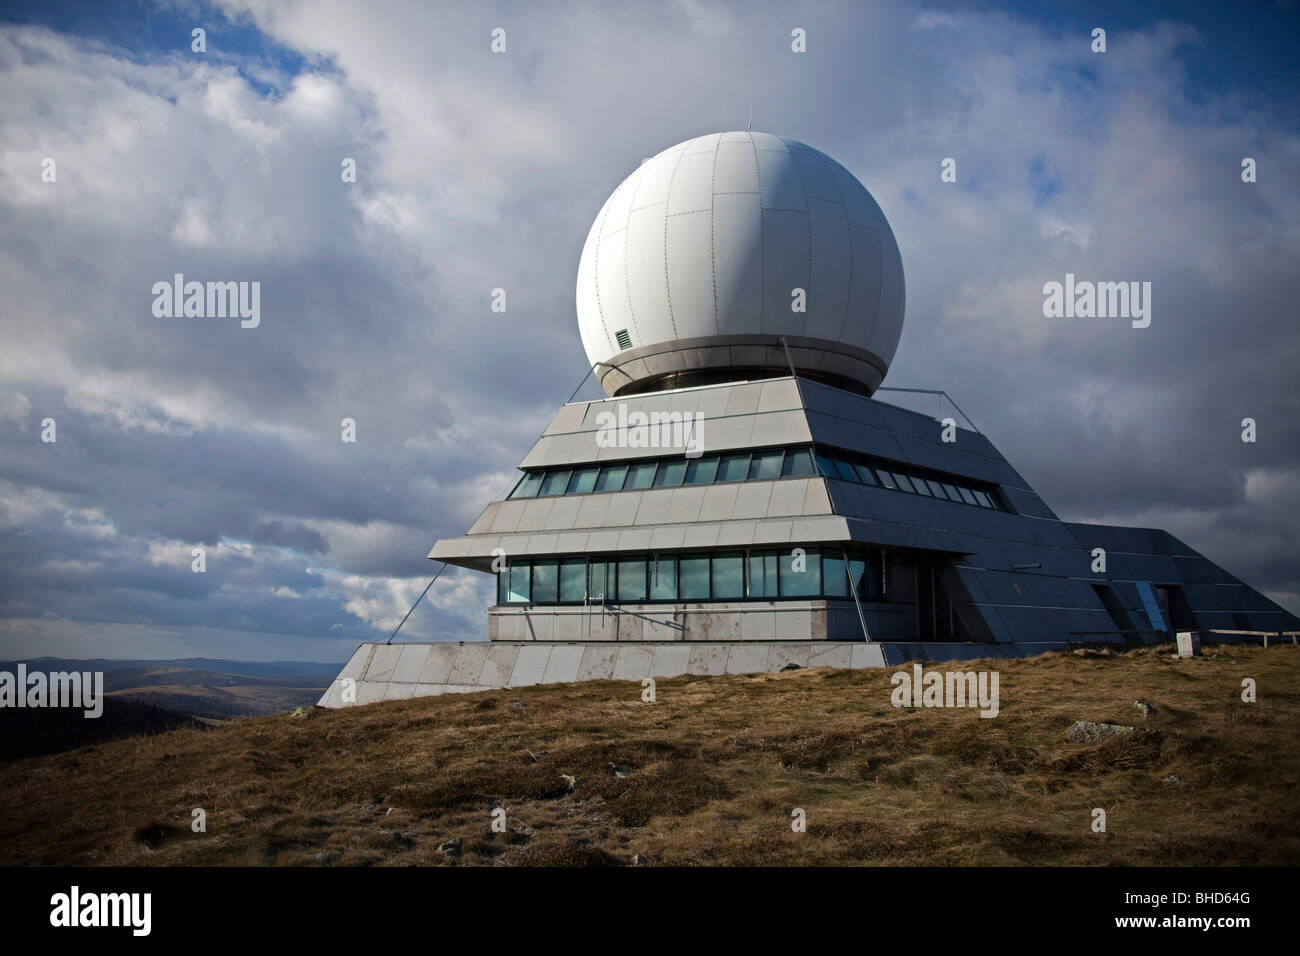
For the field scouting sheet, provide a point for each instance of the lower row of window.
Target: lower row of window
(693, 576)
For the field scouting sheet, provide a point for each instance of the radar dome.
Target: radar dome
(715, 250)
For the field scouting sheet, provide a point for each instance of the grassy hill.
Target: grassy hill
(708, 774)
(34, 733)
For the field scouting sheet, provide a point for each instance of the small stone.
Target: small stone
(1087, 732)
(573, 782)
(620, 771)
(1144, 707)
(1172, 780)
(517, 704)
(792, 666)
(639, 860)
(450, 847)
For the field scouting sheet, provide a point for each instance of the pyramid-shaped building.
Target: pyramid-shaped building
(742, 503)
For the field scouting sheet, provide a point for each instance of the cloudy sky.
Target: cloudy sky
(478, 170)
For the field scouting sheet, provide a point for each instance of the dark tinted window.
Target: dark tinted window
(693, 575)
(765, 464)
(597, 578)
(663, 578)
(702, 471)
(801, 573)
(734, 467)
(546, 579)
(555, 482)
(763, 574)
(518, 582)
(728, 576)
(611, 478)
(798, 463)
(670, 474)
(640, 475)
(845, 468)
(631, 579)
(573, 579)
(835, 579)
(582, 482)
(528, 485)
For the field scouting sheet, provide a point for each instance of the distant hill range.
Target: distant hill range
(197, 687)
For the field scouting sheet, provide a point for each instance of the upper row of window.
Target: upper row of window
(668, 473)
(764, 464)
(836, 464)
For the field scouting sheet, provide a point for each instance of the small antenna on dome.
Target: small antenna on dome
(750, 124)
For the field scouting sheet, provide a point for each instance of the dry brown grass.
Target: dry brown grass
(716, 765)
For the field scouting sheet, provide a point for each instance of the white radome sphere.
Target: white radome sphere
(691, 266)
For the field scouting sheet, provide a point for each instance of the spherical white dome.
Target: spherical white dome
(692, 263)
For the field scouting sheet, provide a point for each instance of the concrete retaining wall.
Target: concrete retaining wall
(395, 671)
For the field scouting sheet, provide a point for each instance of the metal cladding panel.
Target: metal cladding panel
(507, 517)
(484, 523)
(668, 538)
(773, 427)
(816, 500)
(634, 539)
(736, 533)
(752, 500)
(592, 511)
(686, 504)
(743, 399)
(560, 449)
(623, 506)
(954, 459)
(893, 534)
(787, 498)
(858, 501)
(1027, 502)
(1156, 568)
(723, 434)
(701, 536)
(902, 507)
(711, 401)
(568, 419)
(535, 514)
(1193, 571)
(719, 502)
(843, 433)
(654, 507)
(602, 541)
(861, 410)
(817, 529)
(780, 395)
(773, 532)
(541, 544)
